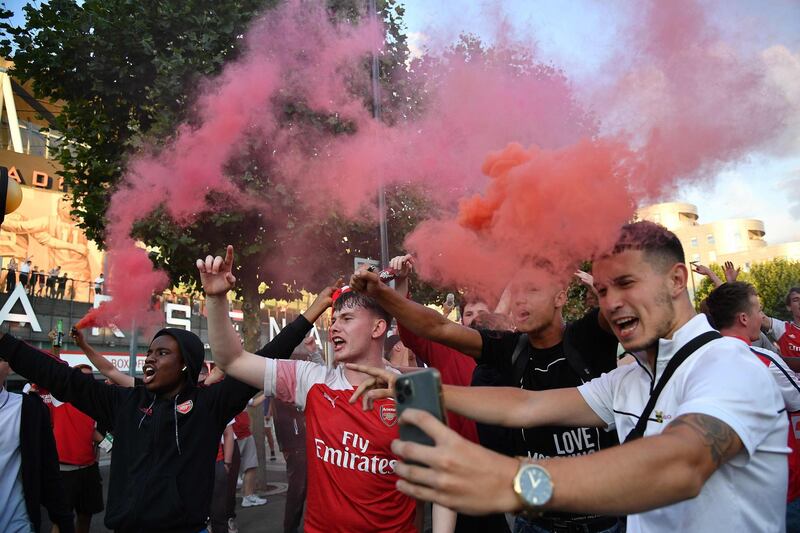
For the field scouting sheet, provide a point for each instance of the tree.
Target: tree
(772, 280)
(126, 73)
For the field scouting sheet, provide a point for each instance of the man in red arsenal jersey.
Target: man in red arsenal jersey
(787, 334)
(734, 309)
(351, 468)
(75, 436)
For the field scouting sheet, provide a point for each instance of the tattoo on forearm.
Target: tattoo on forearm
(720, 439)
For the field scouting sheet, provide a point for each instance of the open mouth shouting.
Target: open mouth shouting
(338, 343)
(625, 327)
(149, 373)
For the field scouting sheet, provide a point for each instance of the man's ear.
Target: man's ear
(678, 278)
(380, 328)
(561, 299)
(742, 319)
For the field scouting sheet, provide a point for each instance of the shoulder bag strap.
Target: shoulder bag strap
(688, 349)
(519, 364)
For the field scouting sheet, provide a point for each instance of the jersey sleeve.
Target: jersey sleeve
(778, 328)
(787, 379)
(599, 395)
(420, 346)
(736, 390)
(290, 380)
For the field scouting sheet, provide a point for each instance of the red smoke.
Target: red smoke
(682, 103)
(686, 104)
(542, 208)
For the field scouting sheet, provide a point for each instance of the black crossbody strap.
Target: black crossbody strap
(686, 350)
(519, 364)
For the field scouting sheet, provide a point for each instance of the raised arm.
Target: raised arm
(419, 319)
(103, 365)
(97, 400)
(514, 407)
(499, 406)
(705, 271)
(226, 346)
(645, 474)
(284, 343)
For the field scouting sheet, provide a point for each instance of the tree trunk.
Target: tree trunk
(251, 333)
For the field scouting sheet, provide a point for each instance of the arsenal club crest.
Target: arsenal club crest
(388, 414)
(184, 407)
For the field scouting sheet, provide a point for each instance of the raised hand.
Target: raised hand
(323, 301)
(77, 336)
(216, 273)
(702, 269)
(379, 385)
(365, 282)
(310, 344)
(586, 278)
(731, 273)
(403, 265)
(705, 271)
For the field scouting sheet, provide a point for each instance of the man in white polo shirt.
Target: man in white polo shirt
(713, 452)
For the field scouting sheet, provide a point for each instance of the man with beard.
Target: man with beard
(702, 420)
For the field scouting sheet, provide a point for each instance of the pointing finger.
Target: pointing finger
(229, 257)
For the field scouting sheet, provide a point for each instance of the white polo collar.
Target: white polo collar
(667, 348)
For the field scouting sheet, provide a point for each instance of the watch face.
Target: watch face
(535, 486)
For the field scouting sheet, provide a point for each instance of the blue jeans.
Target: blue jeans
(793, 516)
(521, 525)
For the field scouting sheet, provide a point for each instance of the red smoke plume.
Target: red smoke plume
(682, 104)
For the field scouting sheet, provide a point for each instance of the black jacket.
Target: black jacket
(162, 469)
(41, 479)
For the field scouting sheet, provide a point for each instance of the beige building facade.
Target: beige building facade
(740, 240)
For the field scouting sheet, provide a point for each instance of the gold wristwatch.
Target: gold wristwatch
(533, 485)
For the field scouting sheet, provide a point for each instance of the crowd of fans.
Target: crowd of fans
(642, 415)
(45, 283)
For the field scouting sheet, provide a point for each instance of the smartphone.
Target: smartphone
(421, 389)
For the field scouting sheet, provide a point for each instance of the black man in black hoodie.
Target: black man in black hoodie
(166, 432)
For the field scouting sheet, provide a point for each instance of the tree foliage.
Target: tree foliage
(772, 279)
(126, 73)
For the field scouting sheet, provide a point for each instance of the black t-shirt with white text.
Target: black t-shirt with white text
(549, 369)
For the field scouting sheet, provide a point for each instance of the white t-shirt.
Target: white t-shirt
(724, 380)
(13, 513)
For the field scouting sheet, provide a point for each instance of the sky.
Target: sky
(579, 36)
